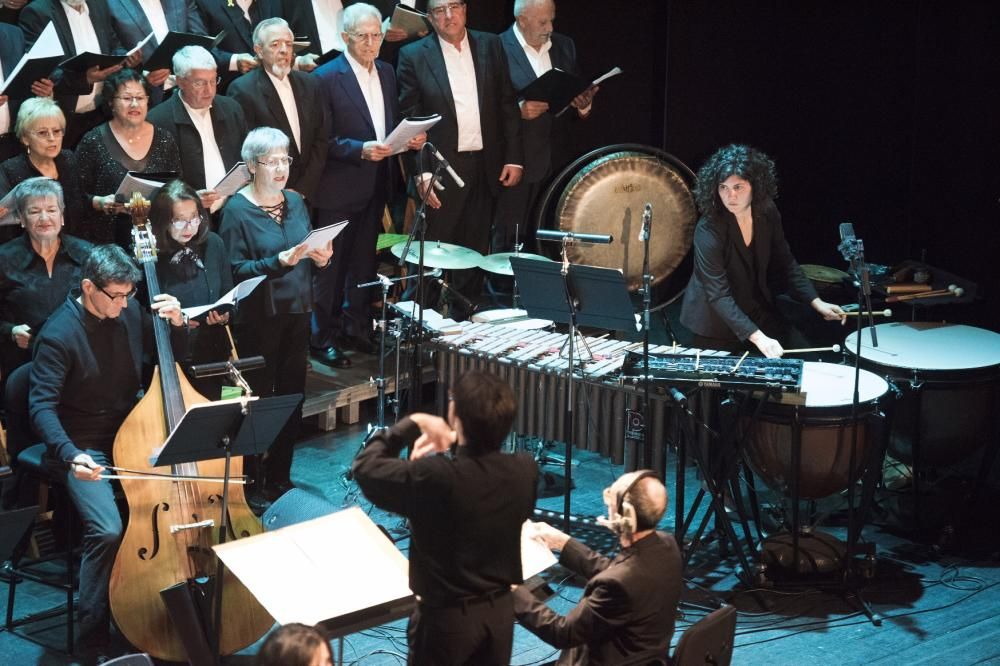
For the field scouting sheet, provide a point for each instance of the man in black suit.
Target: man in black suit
(626, 615)
(82, 26)
(133, 20)
(462, 75)
(295, 109)
(234, 54)
(532, 48)
(10, 10)
(465, 511)
(209, 128)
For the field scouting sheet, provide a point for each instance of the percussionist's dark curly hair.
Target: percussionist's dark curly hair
(734, 160)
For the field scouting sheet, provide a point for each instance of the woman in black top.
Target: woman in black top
(263, 227)
(127, 142)
(40, 127)
(193, 266)
(37, 270)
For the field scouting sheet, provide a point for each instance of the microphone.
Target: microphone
(444, 162)
(459, 296)
(848, 241)
(647, 217)
(573, 236)
(222, 368)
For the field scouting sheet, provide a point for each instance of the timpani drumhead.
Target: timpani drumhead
(830, 385)
(929, 346)
(608, 195)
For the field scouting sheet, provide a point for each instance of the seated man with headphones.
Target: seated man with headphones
(626, 615)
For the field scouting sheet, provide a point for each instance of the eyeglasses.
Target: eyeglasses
(367, 36)
(443, 10)
(56, 133)
(201, 84)
(124, 297)
(275, 162)
(129, 100)
(180, 224)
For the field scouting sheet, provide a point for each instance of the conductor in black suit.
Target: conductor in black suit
(273, 95)
(462, 75)
(209, 128)
(626, 615)
(533, 48)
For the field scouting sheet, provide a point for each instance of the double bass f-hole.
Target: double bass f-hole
(154, 531)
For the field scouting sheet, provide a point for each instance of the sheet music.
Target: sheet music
(407, 129)
(318, 238)
(144, 186)
(535, 556)
(47, 46)
(138, 47)
(231, 297)
(233, 181)
(614, 71)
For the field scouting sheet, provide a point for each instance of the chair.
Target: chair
(32, 463)
(709, 640)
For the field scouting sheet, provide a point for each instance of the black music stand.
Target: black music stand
(209, 431)
(574, 295)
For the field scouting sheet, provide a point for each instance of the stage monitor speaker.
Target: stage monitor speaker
(296, 506)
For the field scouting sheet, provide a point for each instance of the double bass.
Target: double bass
(173, 524)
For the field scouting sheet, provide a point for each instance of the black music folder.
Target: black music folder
(19, 87)
(327, 57)
(412, 21)
(558, 88)
(81, 62)
(162, 57)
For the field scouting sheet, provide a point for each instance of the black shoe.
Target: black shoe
(331, 356)
(358, 343)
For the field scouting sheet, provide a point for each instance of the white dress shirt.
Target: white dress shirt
(287, 97)
(215, 168)
(539, 60)
(464, 92)
(153, 10)
(329, 16)
(371, 89)
(84, 40)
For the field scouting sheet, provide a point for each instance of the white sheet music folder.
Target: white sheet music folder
(328, 570)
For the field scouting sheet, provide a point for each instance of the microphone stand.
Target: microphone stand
(647, 298)
(419, 231)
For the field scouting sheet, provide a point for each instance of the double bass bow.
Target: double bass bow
(172, 525)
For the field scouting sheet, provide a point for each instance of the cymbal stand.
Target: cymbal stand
(419, 232)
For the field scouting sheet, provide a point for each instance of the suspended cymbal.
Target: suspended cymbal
(440, 255)
(824, 273)
(500, 263)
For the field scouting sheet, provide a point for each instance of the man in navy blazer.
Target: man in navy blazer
(356, 182)
(532, 48)
(264, 106)
(462, 75)
(131, 22)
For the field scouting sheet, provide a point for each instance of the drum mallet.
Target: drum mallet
(875, 313)
(834, 349)
(952, 290)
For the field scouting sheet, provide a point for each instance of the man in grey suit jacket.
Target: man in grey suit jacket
(626, 615)
(133, 20)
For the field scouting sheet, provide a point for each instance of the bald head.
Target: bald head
(649, 498)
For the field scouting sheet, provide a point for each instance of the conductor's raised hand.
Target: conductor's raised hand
(436, 436)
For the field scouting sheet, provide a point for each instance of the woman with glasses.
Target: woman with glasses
(193, 266)
(263, 227)
(37, 270)
(127, 142)
(40, 127)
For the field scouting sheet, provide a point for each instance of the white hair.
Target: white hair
(521, 5)
(261, 141)
(268, 24)
(356, 13)
(191, 58)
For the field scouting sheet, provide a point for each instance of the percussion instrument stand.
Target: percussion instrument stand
(419, 231)
(647, 297)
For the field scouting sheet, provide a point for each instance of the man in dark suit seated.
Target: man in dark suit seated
(209, 128)
(626, 615)
(532, 48)
(133, 20)
(12, 49)
(359, 98)
(82, 27)
(462, 75)
(272, 95)
(234, 54)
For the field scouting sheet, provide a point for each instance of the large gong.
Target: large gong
(607, 196)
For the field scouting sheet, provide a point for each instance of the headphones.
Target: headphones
(621, 514)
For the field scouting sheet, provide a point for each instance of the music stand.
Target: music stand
(574, 295)
(221, 429)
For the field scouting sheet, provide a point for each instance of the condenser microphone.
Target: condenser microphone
(647, 218)
(447, 167)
